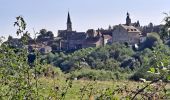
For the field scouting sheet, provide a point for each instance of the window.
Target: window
(131, 29)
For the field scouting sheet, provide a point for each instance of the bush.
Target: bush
(51, 71)
(142, 73)
(102, 75)
(151, 41)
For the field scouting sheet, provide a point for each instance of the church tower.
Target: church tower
(69, 24)
(128, 20)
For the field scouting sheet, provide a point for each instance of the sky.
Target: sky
(85, 14)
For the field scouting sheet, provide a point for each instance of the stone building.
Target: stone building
(95, 38)
(69, 39)
(72, 40)
(92, 39)
(126, 33)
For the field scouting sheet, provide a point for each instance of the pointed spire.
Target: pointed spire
(69, 24)
(68, 19)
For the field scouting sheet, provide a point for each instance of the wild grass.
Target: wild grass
(47, 85)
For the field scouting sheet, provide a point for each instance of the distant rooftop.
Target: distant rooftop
(130, 28)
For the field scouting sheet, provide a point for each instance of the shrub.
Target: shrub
(51, 71)
(102, 75)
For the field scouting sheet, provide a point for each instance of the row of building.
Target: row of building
(70, 40)
(126, 33)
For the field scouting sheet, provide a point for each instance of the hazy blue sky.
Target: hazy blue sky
(85, 14)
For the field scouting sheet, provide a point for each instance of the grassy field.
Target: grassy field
(49, 87)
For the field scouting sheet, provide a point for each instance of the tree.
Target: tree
(43, 31)
(45, 35)
(165, 31)
(21, 24)
(50, 34)
(151, 41)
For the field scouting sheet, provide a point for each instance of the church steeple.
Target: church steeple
(128, 20)
(69, 24)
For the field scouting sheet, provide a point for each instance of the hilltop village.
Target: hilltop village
(130, 33)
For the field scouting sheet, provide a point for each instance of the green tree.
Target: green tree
(151, 41)
(165, 31)
(45, 35)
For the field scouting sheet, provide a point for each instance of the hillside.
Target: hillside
(112, 71)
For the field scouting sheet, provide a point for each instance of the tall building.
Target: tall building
(69, 39)
(126, 33)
